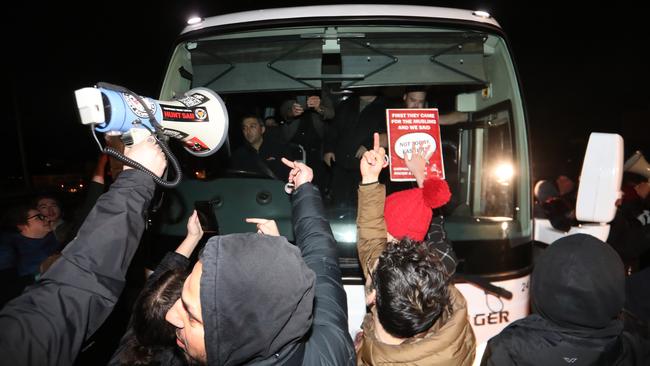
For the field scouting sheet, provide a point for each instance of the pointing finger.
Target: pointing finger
(288, 163)
(253, 220)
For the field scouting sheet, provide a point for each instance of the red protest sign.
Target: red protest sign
(409, 128)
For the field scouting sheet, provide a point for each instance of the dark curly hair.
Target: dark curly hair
(151, 332)
(412, 287)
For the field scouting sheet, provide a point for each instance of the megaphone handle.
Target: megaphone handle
(132, 163)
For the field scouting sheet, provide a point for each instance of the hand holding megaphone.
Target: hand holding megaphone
(198, 119)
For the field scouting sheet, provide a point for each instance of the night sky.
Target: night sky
(582, 69)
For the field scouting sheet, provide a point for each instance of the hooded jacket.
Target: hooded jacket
(578, 291)
(265, 301)
(450, 341)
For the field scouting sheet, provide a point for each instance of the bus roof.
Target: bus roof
(325, 11)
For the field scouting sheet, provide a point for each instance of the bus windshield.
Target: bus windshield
(467, 74)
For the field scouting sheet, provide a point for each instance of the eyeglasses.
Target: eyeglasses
(38, 216)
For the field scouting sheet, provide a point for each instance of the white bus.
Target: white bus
(257, 59)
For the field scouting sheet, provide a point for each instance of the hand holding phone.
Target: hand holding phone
(207, 218)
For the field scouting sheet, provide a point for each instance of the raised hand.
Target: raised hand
(296, 110)
(417, 163)
(194, 235)
(299, 174)
(372, 162)
(265, 226)
(149, 154)
(313, 102)
(194, 228)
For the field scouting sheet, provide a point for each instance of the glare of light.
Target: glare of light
(504, 173)
(194, 20)
(481, 14)
(81, 185)
(200, 174)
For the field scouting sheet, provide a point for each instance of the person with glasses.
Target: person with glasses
(32, 242)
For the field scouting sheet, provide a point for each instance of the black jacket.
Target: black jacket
(285, 305)
(351, 129)
(329, 341)
(577, 289)
(50, 321)
(630, 232)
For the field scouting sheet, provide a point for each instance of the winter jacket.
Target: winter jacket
(285, 304)
(450, 341)
(630, 230)
(351, 129)
(50, 321)
(578, 291)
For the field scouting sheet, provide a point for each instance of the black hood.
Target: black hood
(579, 283)
(257, 296)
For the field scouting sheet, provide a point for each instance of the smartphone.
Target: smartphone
(302, 100)
(207, 218)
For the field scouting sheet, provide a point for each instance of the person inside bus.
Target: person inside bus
(578, 293)
(258, 154)
(349, 137)
(417, 316)
(306, 119)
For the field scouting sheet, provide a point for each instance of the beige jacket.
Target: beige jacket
(450, 341)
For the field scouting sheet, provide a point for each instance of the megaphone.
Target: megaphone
(199, 119)
(638, 165)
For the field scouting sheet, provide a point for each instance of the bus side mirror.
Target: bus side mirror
(598, 190)
(600, 180)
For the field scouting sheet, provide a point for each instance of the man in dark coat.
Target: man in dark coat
(348, 138)
(578, 291)
(49, 322)
(256, 299)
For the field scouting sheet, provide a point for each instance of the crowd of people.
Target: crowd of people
(256, 298)
(35, 231)
(332, 139)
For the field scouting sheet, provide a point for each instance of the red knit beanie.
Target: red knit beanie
(408, 213)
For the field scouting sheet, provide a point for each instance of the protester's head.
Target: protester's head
(415, 97)
(249, 296)
(579, 283)
(151, 332)
(49, 206)
(29, 222)
(544, 190)
(408, 213)
(253, 129)
(564, 184)
(409, 288)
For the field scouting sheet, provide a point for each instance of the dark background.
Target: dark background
(583, 69)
